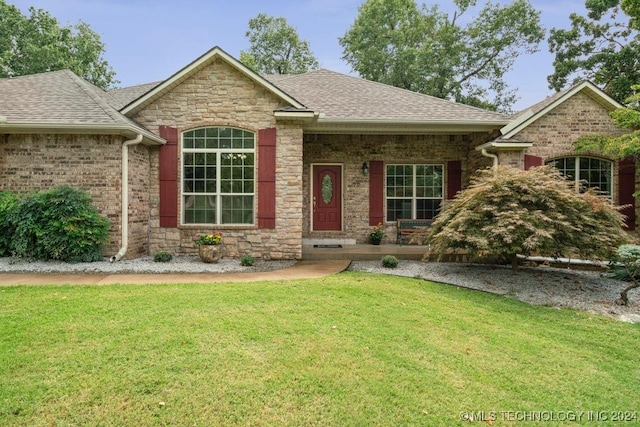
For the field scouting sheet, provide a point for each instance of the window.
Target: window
(596, 173)
(413, 191)
(218, 169)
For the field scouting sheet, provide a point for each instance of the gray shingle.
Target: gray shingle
(340, 96)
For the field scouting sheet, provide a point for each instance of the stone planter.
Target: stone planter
(209, 253)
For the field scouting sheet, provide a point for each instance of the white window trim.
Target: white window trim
(414, 198)
(218, 195)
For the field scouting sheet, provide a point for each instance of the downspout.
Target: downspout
(491, 156)
(124, 216)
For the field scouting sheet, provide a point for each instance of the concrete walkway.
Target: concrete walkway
(300, 270)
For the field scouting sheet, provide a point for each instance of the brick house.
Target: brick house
(276, 161)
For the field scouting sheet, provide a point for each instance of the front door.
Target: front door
(327, 197)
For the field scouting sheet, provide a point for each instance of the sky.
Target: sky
(149, 40)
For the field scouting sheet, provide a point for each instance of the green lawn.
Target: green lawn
(354, 349)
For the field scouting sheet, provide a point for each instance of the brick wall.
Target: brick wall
(554, 133)
(351, 151)
(219, 95)
(89, 162)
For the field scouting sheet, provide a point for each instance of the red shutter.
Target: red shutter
(626, 188)
(169, 177)
(376, 192)
(532, 161)
(454, 178)
(267, 178)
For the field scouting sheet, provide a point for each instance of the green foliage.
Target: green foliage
(622, 146)
(508, 212)
(162, 256)
(424, 50)
(276, 48)
(247, 261)
(37, 43)
(8, 202)
(602, 47)
(389, 261)
(58, 224)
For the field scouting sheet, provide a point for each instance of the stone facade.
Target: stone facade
(219, 95)
(89, 162)
(554, 133)
(351, 151)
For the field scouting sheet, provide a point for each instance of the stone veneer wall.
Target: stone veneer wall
(219, 95)
(553, 134)
(89, 162)
(352, 150)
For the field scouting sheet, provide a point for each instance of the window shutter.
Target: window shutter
(532, 161)
(169, 177)
(376, 192)
(267, 178)
(626, 188)
(454, 178)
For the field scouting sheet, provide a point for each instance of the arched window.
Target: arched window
(218, 170)
(588, 171)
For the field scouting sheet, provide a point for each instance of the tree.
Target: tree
(509, 212)
(625, 145)
(37, 43)
(603, 47)
(629, 257)
(424, 50)
(276, 48)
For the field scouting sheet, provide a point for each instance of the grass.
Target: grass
(350, 350)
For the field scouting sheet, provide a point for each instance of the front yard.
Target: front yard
(352, 349)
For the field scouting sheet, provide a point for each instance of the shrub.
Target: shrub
(247, 261)
(162, 256)
(58, 224)
(8, 202)
(389, 261)
(629, 257)
(508, 212)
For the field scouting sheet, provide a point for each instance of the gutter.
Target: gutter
(491, 156)
(124, 228)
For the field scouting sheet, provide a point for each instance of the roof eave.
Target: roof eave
(370, 126)
(504, 146)
(77, 128)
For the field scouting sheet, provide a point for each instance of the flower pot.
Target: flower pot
(209, 253)
(374, 241)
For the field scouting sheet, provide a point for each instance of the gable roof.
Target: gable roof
(126, 95)
(536, 111)
(194, 67)
(344, 101)
(60, 101)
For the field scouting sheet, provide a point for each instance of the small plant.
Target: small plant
(214, 238)
(377, 234)
(629, 257)
(247, 261)
(389, 261)
(162, 256)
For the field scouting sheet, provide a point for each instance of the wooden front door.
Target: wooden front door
(327, 198)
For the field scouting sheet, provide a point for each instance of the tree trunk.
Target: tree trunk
(514, 262)
(624, 298)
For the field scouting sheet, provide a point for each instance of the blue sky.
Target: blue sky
(149, 40)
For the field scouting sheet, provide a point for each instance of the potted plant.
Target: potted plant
(375, 237)
(209, 246)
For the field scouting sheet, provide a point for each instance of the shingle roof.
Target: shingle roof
(62, 99)
(340, 96)
(126, 95)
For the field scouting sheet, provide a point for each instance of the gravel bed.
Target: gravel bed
(589, 291)
(179, 264)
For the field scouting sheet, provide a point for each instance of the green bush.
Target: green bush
(162, 256)
(8, 202)
(58, 224)
(247, 260)
(389, 261)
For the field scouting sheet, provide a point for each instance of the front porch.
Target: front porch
(362, 252)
